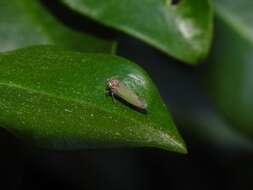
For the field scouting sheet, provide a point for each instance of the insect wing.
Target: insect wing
(130, 96)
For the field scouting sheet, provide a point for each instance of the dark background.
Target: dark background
(210, 164)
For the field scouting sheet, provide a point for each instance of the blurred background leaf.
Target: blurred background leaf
(27, 22)
(229, 72)
(182, 30)
(57, 99)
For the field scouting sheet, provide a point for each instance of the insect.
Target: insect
(117, 87)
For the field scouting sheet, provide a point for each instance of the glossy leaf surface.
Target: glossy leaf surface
(57, 99)
(183, 30)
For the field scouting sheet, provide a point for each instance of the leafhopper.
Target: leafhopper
(118, 88)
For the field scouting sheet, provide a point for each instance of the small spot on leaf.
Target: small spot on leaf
(175, 2)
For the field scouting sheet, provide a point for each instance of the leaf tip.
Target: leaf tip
(170, 142)
(177, 145)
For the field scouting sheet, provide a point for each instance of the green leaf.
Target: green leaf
(57, 99)
(27, 22)
(230, 70)
(183, 31)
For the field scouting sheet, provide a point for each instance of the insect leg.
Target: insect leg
(113, 97)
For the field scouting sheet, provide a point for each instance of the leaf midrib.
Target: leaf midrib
(82, 103)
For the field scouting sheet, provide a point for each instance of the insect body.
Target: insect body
(118, 88)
